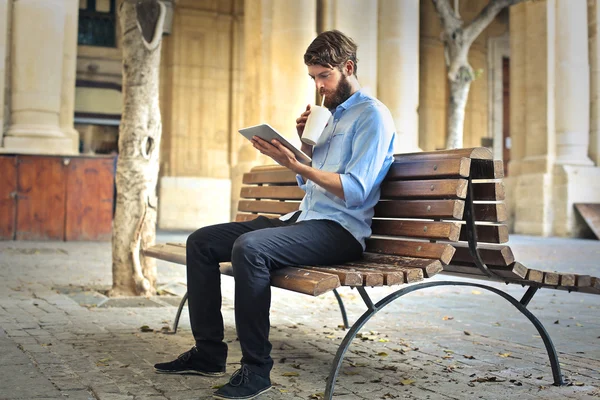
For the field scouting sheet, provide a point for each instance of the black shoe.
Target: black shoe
(244, 384)
(190, 362)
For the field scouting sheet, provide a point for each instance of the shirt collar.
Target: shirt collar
(350, 101)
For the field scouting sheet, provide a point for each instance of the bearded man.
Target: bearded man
(342, 186)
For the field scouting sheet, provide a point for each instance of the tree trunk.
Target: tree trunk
(457, 42)
(459, 93)
(134, 226)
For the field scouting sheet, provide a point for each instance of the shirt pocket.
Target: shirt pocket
(335, 149)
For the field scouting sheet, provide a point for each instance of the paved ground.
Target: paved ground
(444, 343)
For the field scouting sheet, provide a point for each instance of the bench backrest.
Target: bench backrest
(421, 210)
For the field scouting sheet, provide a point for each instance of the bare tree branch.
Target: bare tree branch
(485, 18)
(449, 20)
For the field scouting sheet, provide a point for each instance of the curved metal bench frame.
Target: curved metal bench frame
(375, 308)
(185, 297)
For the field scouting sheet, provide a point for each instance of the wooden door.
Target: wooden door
(506, 141)
(90, 187)
(41, 198)
(8, 196)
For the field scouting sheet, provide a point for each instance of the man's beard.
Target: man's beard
(342, 92)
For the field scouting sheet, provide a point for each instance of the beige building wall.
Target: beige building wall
(5, 26)
(196, 93)
(229, 64)
(359, 20)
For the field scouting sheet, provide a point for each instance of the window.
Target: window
(97, 23)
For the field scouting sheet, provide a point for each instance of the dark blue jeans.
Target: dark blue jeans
(254, 249)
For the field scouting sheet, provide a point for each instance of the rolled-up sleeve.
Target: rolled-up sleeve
(370, 148)
(301, 182)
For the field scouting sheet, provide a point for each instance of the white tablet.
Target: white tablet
(266, 132)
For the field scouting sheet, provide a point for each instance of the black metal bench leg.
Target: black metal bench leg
(181, 304)
(342, 308)
(374, 308)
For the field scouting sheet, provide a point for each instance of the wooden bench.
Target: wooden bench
(439, 212)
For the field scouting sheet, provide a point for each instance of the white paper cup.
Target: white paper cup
(316, 122)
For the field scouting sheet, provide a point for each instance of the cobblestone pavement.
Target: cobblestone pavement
(60, 338)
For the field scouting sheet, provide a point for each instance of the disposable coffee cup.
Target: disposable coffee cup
(315, 124)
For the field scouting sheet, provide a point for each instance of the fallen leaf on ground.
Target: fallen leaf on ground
(504, 355)
(469, 357)
(488, 379)
(446, 318)
(290, 374)
(382, 354)
(467, 333)
(406, 382)
(146, 328)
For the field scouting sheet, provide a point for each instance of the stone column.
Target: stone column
(36, 65)
(69, 72)
(276, 83)
(4, 24)
(572, 83)
(398, 68)
(293, 28)
(518, 94)
(359, 20)
(539, 25)
(594, 49)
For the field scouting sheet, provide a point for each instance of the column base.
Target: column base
(37, 145)
(190, 203)
(532, 211)
(573, 184)
(73, 135)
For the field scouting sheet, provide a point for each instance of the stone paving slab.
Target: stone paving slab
(444, 343)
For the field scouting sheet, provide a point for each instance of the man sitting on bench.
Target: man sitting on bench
(342, 187)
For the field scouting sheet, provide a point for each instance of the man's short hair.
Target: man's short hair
(331, 49)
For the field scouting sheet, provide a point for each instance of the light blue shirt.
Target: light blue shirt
(358, 144)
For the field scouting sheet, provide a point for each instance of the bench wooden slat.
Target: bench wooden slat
(275, 175)
(534, 275)
(429, 267)
(391, 277)
(167, 252)
(425, 189)
(249, 217)
(487, 169)
(423, 169)
(272, 192)
(313, 283)
(417, 229)
(347, 276)
(490, 212)
(488, 191)
(498, 255)
(264, 206)
(583, 280)
(496, 234)
(449, 209)
(551, 278)
(567, 279)
(407, 248)
(514, 271)
(370, 277)
(477, 153)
